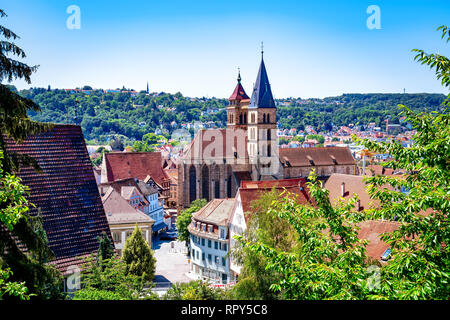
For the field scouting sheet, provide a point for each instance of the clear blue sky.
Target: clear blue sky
(312, 48)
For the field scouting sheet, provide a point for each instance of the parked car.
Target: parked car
(166, 237)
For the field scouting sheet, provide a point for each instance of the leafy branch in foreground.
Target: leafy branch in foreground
(331, 261)
(419, 267)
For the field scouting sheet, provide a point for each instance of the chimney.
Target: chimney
(343, 189)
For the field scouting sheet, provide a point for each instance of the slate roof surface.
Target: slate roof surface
(65, 192)
(262, 94)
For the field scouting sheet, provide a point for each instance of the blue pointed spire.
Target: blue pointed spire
(262, 94)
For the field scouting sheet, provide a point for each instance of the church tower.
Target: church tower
(237, 111)
(262, 143)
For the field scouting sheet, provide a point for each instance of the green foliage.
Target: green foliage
(105, 247)
(10, 288)
(317, 137)
(195, 290)
(98, 161)
(12, 193)
(255, 280)
(185, 218)
(419, 266)
(11, 69)
(329, 262)
(138, 256)
(109, 280)
(353, 108)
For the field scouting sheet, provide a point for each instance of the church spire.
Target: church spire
(239, 92)
(262, 94)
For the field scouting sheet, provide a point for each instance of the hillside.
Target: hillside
(104, 114)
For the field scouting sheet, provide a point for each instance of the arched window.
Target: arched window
(240, 118)
(245, 118)
(268, 118)
(192, 184)
(205, 183)
(229, 188)
(264, 118)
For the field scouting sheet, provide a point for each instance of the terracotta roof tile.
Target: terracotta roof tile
(123, 165)
(65, 192)
(299, 157)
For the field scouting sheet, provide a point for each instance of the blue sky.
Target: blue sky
(312, 48)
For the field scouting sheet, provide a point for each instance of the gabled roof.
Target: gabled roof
(217, 211)
(352, 185)
(122, 165)
(118, 210)
(65, 192)
(217, 144)
(262, 94)
(324, 156)
(125, 186)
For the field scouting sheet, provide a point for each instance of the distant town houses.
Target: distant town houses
(141, 180)
(123, 217)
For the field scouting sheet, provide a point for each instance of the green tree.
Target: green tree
(138, 256)
(109, 280)
(330, 262)
(105, 247)
(195, 290)
(12, 193)
(185, 218)
(15, 123)
(140, 146)
(254, 280)
(419, 266)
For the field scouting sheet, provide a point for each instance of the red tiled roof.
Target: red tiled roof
(65, 192)
(324, 156)
(217, 144)
(254, 189)
(239, 93)
(352, 185)
(372, 230)
(123, 165)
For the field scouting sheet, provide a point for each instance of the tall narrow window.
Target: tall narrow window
(192, 184)
(216, 189)
(205, 183)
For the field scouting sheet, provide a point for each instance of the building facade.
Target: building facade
(209, 242)
(217, 160)
(122, 219)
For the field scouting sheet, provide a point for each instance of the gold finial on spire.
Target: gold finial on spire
(262, 48)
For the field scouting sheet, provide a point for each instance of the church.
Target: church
(217, 160)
